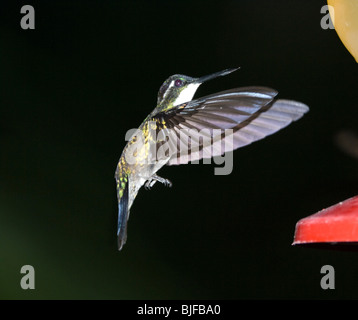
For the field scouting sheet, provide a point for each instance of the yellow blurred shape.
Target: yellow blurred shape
(344, 15)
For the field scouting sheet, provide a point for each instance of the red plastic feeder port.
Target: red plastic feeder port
(337, 225)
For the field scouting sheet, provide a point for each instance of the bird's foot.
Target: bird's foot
(149, 184)
(154, 178)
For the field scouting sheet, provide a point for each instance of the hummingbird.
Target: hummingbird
(247, 113)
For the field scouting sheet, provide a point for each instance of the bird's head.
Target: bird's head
(179, 88)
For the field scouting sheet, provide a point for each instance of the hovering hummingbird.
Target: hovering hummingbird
(250, 113)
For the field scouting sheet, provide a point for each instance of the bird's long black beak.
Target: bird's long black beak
(216, 74)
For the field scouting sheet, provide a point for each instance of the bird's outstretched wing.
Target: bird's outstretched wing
(196, 129)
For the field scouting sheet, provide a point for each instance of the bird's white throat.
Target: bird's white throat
(186, 94)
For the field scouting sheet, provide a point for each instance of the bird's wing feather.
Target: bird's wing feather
(196, 129)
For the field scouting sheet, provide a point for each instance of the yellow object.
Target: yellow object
(344, 15)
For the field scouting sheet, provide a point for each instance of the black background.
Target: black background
(70, 90)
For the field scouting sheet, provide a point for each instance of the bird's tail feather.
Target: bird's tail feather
(123, 212)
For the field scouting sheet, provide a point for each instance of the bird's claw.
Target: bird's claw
(150, 183)
(168, 183)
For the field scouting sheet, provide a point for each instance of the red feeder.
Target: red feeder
(337, 225)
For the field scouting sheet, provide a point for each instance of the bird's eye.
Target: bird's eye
(179, 83)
